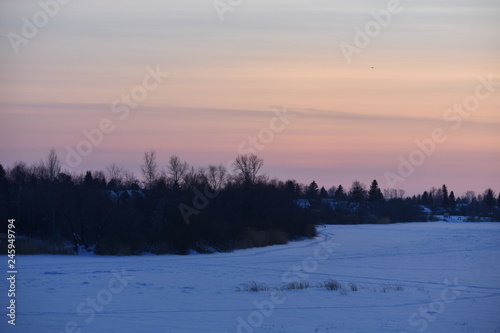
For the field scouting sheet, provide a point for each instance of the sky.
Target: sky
(405, 92)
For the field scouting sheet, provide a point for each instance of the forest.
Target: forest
(179, 208)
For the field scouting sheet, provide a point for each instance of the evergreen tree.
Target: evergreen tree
(331, 191)
(489, 198)
(375, 194)
(88, 180)
(425, 198)
(323, 193)
(445, 201)
(3, 178)
(312, 190)
(452, 200)
(298, 190)
(340, 194)
(358, 192)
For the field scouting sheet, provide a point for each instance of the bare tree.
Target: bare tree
(53, 164)
(469, 196)
(193, 178)
(176, 170)
(393, 193)
(247, 167)
(331, 191)
(115, 173)
(216, 176)
(149, 168)
(358, 192)
(39, 170)
(129, 179)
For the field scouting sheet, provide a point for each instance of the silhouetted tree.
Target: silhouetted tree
(247, 167)
(445, 200)
(489, 198)
(176, 170)
(375, 194)
(149, 168)
(115, 176)
(312, 190)
(358, 193)
(331, 191)
(452, 200)
(216, 177)
(53, 164)
(3, 179)
(431, 200)
(323, 193)
(425, 198)
(469, 196)
(394, 193)
(340, 194)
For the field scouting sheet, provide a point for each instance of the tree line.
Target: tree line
(362, 204)
(179, 208)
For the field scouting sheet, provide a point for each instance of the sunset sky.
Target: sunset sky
(347, 120)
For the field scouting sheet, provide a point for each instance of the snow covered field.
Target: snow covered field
(420, 277)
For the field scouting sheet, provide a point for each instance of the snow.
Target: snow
(440, 277)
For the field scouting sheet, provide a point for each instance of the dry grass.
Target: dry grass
(332, 285)
(296, 285)
(253, 286)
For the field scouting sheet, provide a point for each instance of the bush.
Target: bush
(253, 286)
(296, 285)
(332, 285)
(353, 287)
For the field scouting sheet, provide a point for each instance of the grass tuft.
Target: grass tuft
(252, 286)
(296, 285)
(353, 286)
(332, 285)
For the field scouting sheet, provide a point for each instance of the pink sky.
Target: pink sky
(351, 121)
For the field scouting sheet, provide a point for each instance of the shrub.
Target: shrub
(253, 286)
(422, 289)
(385, 288)
(332, 285)
(296, 285)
